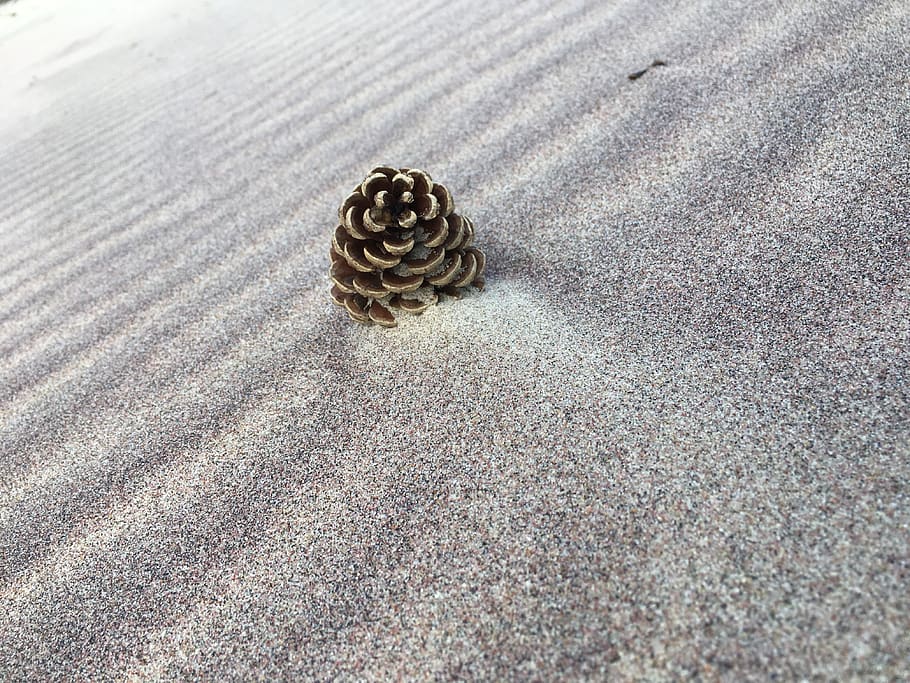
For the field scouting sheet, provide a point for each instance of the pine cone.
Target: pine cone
(399, 245)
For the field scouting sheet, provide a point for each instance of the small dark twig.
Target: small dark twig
(638, 74)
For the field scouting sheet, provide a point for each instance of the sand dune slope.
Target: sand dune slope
(669, 440)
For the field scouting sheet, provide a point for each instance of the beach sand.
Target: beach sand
(668, 441)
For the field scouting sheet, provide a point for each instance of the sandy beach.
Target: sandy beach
(669, 441)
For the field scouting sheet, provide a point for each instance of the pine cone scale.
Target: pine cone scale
(353, 254)
(369, 285)
(373, 184)
(338, 296)
(376, 254)
(398, 247)
(481, 259)
(356, 306)
(342, 276)
(422, 182)
(401, 182)
(448, 273)
(339, 238)
(399, 284)
(376, 220)
(407, 219)
(446, 203)
(423, 265)
(353, 223)
(355, 199)
(382, 315)
(465, 277)
(456, 233)
(426, 206)
(387, 171)
(416, 306)
(435, 231)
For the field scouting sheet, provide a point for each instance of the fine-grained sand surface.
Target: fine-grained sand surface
(669, 440)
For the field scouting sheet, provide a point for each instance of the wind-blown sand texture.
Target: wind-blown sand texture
(669, 440)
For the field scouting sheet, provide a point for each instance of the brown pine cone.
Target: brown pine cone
(399, 245)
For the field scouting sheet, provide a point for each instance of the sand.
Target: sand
(670, 439)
